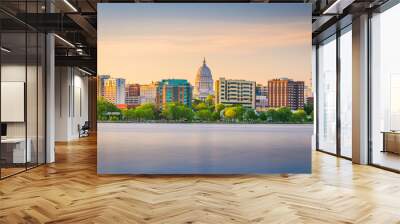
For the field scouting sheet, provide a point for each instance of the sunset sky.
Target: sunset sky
(149, 42)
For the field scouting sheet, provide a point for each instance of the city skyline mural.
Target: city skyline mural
(183, 87)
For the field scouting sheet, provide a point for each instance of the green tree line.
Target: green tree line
(202, 111)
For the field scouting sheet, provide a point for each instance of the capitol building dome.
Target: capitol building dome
(203, 82)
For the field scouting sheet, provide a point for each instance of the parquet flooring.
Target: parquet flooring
(70, 191)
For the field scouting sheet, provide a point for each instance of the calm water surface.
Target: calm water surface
(138, 148)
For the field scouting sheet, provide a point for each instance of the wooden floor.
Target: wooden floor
(70, 191)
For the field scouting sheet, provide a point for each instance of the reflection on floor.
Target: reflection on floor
(11, 169)
(387, 159)
(70, 191)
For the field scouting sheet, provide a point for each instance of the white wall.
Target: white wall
(71, 103)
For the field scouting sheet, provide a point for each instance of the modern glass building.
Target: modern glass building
(174, 90)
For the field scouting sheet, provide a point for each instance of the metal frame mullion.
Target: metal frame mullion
(316, 100)
(37, 91)
(26, 87)
(369, 77)
(338, 93)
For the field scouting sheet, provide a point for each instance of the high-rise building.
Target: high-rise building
(236, 92)
(261, 90)
(100, 84)
(174, 90)
(261, 103)
(204, 82)
(110, 90)
(308, 89)
(285, 92)
(114, 90)
(132, 95)
(120, 91)
(261, 97)
(310, 100)
(148, 93)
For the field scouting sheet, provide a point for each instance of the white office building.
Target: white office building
(148, 93)
(236, 92)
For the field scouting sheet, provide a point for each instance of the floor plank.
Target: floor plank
(70, 191)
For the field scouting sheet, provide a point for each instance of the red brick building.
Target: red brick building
(132, 95)
(286, 93)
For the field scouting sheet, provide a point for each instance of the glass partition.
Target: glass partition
(13, 87)
(22, 88)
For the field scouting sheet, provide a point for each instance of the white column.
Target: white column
(50, 98)
(63, 102)
(360, 90)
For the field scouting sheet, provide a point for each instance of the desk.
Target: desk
(391, 141)
(16, 147)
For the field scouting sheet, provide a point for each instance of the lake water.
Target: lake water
(140, 148)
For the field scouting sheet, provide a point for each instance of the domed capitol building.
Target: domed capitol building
(203, 82)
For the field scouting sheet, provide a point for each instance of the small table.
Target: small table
(391, 141)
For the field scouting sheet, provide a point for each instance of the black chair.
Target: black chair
(84, 130)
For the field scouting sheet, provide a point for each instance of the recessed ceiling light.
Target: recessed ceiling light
(70, 5)
(337, 7)
(64, 40)
(84, 71)
(5, 50)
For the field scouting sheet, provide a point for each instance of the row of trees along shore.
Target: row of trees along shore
(201, 111)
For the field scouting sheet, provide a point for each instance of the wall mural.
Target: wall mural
(204, 88)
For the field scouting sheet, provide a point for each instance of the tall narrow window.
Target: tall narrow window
(385, 89)
(327, 95)
(346, 92)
